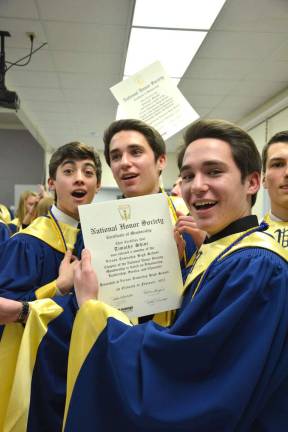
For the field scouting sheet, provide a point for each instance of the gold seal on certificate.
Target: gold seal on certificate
(134, 253)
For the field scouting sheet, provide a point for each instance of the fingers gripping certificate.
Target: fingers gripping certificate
(134, 253)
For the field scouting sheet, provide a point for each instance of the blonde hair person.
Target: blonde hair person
(24, 213)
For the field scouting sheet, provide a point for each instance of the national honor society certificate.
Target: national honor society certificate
(134, 253)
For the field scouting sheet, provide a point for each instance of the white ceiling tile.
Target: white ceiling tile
(46, 106)
(86, 37)
(204, 100)
(238, 101)
(281, 54)
(254, 16)
(68, 61)
(255, 87)
(269, 71)
(94, 81)
(36, 94)
(16, 8)
(219, 69)
(25, 78)
(240, 45)
(87, 11)
(206, 87)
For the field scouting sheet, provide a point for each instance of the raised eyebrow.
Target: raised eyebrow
(276, 158)
(73, 162)
(185, 168)
(205, 164)
(68, 161)
(130, 146)
(90, 164)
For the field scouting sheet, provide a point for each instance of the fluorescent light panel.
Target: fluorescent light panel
(174, 49)
(188, 14)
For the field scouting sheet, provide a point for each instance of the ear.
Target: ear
(161, 162)
(98, 186)
(254, 182)
(51, 184)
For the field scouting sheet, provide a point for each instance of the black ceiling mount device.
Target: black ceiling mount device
(8, 99)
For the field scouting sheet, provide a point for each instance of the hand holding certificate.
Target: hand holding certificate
(134, 253)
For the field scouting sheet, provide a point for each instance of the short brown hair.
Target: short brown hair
(278, 137)
(244, 151)
(75, 151)
(153, 137)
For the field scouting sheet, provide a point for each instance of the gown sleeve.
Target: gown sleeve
(28, 268)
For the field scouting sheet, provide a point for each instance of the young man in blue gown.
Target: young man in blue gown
(223, 363)
(275, 180)
(30, 260)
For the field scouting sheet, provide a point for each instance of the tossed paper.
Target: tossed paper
(151, 96)
(134, 253)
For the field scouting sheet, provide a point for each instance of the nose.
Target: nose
(79, 176)
(125, 160)
(199, 184)
(286, 170)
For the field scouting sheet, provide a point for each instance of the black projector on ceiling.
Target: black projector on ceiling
(8, 99)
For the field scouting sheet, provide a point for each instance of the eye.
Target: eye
(136, 151)
(115, 157)
(214, 172)
(277, 164)
(68, 171)
(187, 177)
(90, 173)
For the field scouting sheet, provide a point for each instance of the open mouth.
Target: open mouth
(204, 205)
(129, 176)
(79, 193)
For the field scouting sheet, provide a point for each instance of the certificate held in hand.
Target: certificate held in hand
(134, 253)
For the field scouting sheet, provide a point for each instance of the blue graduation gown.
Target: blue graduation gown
(4, 233)
(222, 366)
(30, 260)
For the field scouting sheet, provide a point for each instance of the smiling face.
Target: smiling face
(212, 187)
(75, 183)
(275, 179)
(133, 164)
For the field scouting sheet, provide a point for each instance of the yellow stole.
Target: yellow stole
(210, 252)
(46, 229)
(278, 229)
(18, 351)
(4, 214)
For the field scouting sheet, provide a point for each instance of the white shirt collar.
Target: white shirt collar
(63, 217)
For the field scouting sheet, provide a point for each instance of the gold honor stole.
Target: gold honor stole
(278, 229)
(46, 229)
(209, 252)
(90, 321)
(18, 351)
